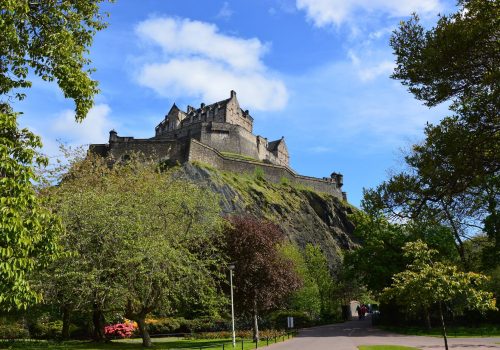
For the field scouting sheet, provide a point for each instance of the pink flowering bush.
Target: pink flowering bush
(120, 330)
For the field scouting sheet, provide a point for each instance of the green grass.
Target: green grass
(385, 347)
(451, 332)
(158, 343)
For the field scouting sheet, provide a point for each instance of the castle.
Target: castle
(221, 135)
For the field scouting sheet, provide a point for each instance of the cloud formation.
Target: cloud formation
(225, 12)
(336, 12)
(93, 129)
(198, 60)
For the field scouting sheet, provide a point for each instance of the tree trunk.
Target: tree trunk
(444, 326)
(98, 321)
(428, 319)
(66, 319)
(459, 244)
(143, 329)
(256, 337)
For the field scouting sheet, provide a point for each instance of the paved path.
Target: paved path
(348, 335)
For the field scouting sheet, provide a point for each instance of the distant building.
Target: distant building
(219, 134)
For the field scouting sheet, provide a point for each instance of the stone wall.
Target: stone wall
(121, 147)
(205, 154)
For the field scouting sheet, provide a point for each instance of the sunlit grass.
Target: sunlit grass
(158, 343)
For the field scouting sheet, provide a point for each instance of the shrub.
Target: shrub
(285, 181)
(258, 173)
(278, 319)
(163, 325)
(44, 329)
(204, 324)
(120, 330)
(246, 334)
(11, 329)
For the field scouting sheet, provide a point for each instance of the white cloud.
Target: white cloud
(327, 12)
(200, 61)
(93, 129)
(384, 68)
(225, 12)
(171, 78)
(368, 70)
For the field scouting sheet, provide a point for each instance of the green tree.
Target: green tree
(48, 39)
(139, 240)
(319, 272)
(426, 283)
(453, 175)
(264, 277)
(306, 298)
(28, 232)
(379, 255)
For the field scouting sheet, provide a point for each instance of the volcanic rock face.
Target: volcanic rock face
(305, 216)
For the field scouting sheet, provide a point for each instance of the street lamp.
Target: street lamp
(231, 268)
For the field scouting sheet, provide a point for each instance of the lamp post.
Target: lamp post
(231, 268)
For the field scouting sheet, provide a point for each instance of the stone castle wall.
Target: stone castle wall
(158, 149)
(205, 154)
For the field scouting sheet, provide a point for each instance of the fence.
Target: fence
(240, 343)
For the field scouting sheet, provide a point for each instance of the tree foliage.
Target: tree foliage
(320, 274)
(318, 294)
(453, 175)
(427, 282)
(48, 39)
(28, 232)
(264, 277)
(139, 240)
(380, 254)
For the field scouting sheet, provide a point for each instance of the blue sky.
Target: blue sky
(314, 71)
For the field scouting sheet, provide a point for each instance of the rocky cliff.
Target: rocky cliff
(306, 216)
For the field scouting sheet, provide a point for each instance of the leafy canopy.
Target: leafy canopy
(28, 232)
(426, 282)
(140, 240)
(263, 277)
(452, 177)
(49, 39)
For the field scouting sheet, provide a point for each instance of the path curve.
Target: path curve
(348, 335)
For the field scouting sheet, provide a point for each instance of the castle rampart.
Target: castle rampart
(199, 152)
(205, 134)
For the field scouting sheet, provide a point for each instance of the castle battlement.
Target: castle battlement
(219, 134)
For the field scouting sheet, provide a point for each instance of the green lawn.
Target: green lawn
(385, 347)
(452, 332)
(158, 343)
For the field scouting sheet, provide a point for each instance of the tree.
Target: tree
(427, 282)
(319, 272)
(453, 175)
(48, 39)
(139, 240)
(264, 277)
(28, 232)
(305, 299)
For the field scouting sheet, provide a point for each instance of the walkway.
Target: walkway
(348, 335)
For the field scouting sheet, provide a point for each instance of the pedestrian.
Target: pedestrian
(364, 310)
(358, 310)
